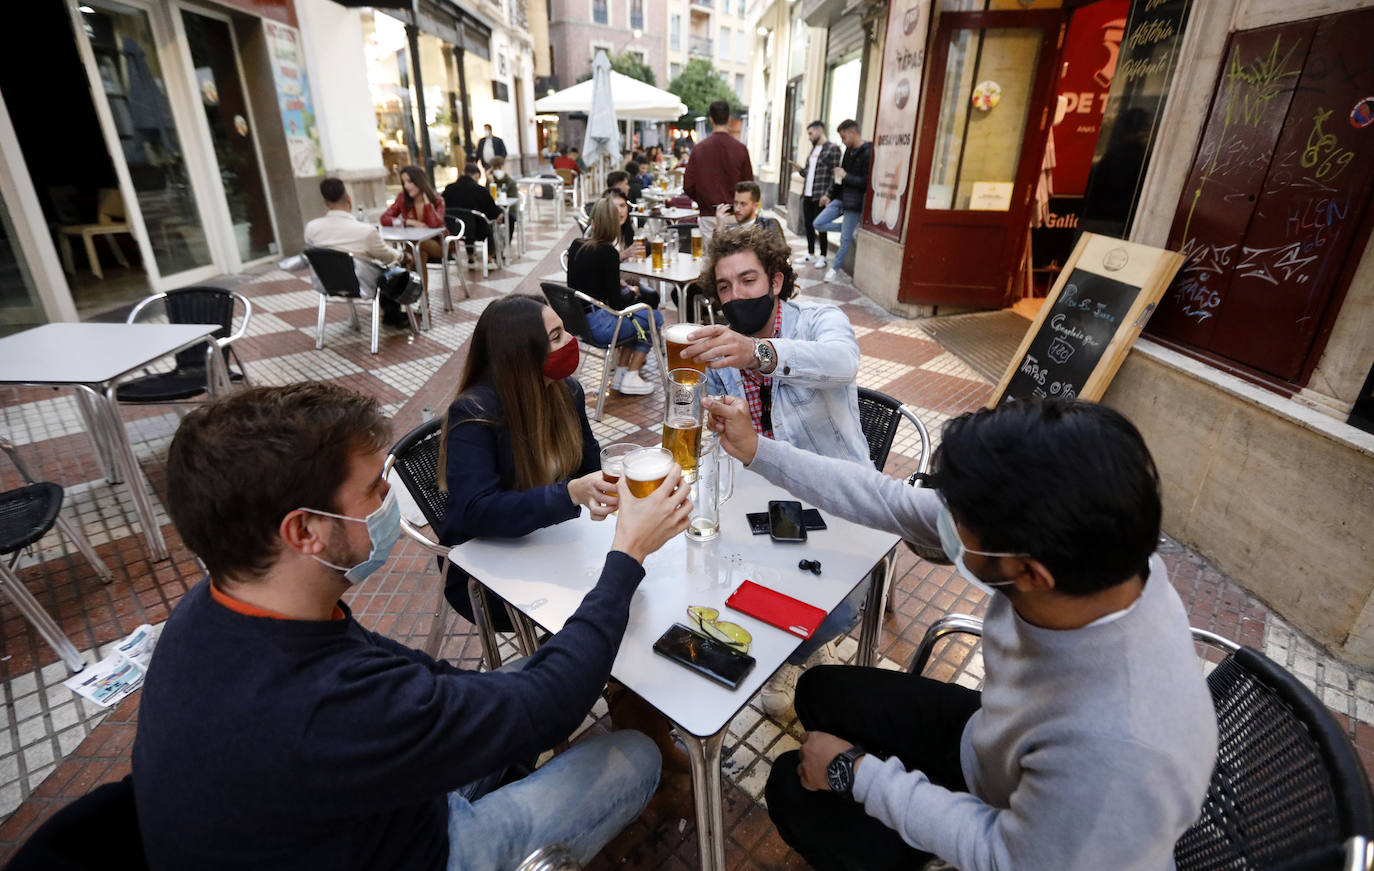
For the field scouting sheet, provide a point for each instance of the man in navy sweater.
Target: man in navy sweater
(275, 732)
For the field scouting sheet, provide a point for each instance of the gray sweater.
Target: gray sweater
(1093, 747)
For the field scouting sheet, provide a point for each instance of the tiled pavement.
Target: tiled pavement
(54, 747)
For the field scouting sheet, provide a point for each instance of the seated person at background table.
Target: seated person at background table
(569, 160)
(628, 247)
(594, 269)
(1094, 738)
(506, 186)
(417, 206)
(275, 731)
(795, 365)
(744, 212)
(635, 182)
(619, 180)
(339, 230)
(468, 192)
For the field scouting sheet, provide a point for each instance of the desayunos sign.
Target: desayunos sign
(898, 100)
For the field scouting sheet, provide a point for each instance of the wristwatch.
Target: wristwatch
(764, 353)
(840, 772)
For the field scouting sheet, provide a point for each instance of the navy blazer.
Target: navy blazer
(480, 472)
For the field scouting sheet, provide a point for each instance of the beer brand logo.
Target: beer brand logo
(1115, 260)
(913, 17)
(903, 94)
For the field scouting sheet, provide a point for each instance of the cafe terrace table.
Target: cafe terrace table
(532, 182)
(92, 359)
(546, 573)
(681, 271)
(672, 214)
(413, 236)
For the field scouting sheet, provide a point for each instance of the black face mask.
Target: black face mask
(748, 316)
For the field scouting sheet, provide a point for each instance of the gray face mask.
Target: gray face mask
(955, 549)
(383, 528)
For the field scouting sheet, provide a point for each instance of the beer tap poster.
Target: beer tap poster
(899, 97)
(1103, 298)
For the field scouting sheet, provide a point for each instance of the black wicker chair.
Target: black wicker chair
(99, 830)
(415, 459)
(26, 515)
(1288, 791)
(194, 373)
(572, 306)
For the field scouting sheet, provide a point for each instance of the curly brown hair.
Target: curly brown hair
(766, 242)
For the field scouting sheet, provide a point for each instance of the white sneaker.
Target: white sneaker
(650, 368)
(634, 385)
(803, 260)
(831, 274)
(776, 696)
(619, 377)
(820, 263)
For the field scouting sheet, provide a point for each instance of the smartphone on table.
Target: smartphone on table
(705, 656)
(785, 521)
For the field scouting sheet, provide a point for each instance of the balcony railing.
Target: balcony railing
(704, 4)
(699, 45)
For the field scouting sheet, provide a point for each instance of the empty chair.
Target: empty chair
(572, 306)
(336, 277)
(196, 371)
(26, 515)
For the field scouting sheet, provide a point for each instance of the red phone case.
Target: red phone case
(776, 609)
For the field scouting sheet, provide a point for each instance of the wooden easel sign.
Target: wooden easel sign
(1106, 292)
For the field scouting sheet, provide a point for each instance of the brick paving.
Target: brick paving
(55, 747)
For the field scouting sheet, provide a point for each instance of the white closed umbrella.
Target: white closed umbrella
(603, 133)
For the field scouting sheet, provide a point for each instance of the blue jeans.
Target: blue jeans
(581, 799)
(829, 220)
(602, 323)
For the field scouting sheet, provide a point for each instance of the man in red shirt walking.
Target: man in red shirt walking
(718, 163)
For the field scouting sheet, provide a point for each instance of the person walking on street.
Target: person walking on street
(718, 164)
(819, 172)
(844, 204)
(489, 146)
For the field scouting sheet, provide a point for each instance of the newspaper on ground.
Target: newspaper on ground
(114, 677)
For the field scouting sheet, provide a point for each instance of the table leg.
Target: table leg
(448, 292)
(704, 754)
(133, 475)
(871, 624)
(94, 421)
(424, 283)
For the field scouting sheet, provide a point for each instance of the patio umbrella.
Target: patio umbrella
(633, 99)
(603, 133)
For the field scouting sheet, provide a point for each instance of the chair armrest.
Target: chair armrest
(416, 536)
(950, 624)
(8, 447)
(628, 310)
(243, 327)
(924, 465)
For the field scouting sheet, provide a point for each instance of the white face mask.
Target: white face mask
(955, 549)
(499, 173)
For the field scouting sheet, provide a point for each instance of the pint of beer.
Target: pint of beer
(675, 336)
(646, 468)
(682, 419)
(613, 460)
(696, 244)
(657, 248)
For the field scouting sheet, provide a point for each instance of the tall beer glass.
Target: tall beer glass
(646, 468)
(656, 246)
(682, 419)
(675, 336)
(696, 244)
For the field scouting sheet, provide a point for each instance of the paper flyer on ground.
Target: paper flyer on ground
(114, 677)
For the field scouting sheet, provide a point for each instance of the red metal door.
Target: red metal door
(976, 164)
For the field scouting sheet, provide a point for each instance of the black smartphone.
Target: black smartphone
(785, 521)
(811, 519)
(759, 525)
(706, 657)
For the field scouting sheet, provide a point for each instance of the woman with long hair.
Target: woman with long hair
(594, 269)
(417, 205)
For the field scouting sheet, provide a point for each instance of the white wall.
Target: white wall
(333, 41)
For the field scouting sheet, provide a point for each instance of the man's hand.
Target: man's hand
(824, 201)
(817, 751)
(798, 165)
(593, 491)
(723, 212)
(840, 173)
(730, 418)
(646, 524)
(720, 347)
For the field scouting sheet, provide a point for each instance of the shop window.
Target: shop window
(636, 14)
(601, 11)
(1271, 212)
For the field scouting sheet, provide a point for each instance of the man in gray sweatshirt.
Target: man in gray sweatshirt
(1094, 738)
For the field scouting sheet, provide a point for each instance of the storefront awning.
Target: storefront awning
(633, 99)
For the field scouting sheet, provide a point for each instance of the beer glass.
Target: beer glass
(675, 336)
(657, 248)
(704, 521)
(643, 242)
(613, 460)
(696, 244)
(646, 468)
(682, 419)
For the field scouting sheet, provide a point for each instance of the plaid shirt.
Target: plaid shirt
(755, 385)
(826, 161)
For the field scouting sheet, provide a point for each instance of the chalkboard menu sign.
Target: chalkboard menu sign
(1144, 71)
(1098, 306)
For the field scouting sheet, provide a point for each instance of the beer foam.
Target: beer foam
(679, 333)
(648, 466)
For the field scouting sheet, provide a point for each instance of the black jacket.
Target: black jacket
(855, 163)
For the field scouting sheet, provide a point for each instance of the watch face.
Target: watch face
(839, 773)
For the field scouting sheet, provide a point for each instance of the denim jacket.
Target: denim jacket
(815, 397)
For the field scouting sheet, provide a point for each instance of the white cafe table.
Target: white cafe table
(531, 184)
(92, 358)
(545, 575)
(672, 214)
(413, 236)
(681, 271)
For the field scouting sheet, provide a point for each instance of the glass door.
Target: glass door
(19, 304)
(119, 47)
(224, 99)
